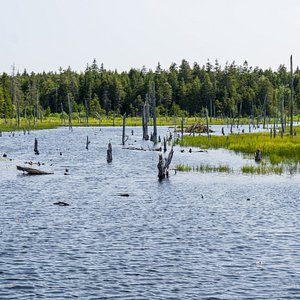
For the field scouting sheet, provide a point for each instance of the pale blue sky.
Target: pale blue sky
(46, 34)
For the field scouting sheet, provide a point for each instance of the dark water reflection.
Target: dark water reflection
(193, 236)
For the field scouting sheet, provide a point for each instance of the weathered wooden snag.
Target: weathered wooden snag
(257, 155)
(87, 143)
(36, 151)
(109, 153)
(163, 165)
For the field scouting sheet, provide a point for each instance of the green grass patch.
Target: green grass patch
(204, 168)
(277, 149)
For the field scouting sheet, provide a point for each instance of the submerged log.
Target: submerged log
(163, 165)
(31, 171)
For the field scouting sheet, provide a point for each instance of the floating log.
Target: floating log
(31, 171)
(61, 203)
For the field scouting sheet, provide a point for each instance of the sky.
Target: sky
(44, 35)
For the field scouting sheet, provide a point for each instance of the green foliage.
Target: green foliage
(232, 91)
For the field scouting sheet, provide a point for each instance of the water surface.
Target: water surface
(192, 236)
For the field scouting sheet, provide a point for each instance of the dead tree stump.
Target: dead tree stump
(87, 143)
(163, 165)
(36, 151)
(257, 155)
(109, 153)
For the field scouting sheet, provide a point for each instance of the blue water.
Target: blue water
(192, 236)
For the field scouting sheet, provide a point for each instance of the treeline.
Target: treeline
(185, 90)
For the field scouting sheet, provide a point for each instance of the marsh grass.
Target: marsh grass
(204, 168)
(261, 169)
(286, 149)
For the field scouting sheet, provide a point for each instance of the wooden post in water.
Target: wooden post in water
(109, 153)
(123, 132)
(154, 137)
(87, 143)
(70, 111)
(36, 151)
(292, 98)
(165, 145)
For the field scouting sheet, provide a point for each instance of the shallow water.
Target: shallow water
(192, 236)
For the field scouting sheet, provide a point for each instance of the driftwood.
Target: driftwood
(198, 128)
(31, 171)
(163, 165)
(61, 203)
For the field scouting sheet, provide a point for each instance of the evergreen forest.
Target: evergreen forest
(185, 90)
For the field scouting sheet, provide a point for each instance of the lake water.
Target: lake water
(192, 236)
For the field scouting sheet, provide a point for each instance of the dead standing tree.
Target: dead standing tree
(123, 131)
(145, 118)
(154, 136)
(70, 111)
(109, 153)
(292, 98)
(163, 165)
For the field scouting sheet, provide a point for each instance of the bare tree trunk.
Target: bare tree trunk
(206, 117)
(109, 153)
(292, 98)
(123, 132)
(36, 151)
(265, 110)
(86, 112)
(281, 115)
(154, 138)
(63, 113)
(145, 118)
(18, 111)
(70, 111)
(87, 143)
(182, 122)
